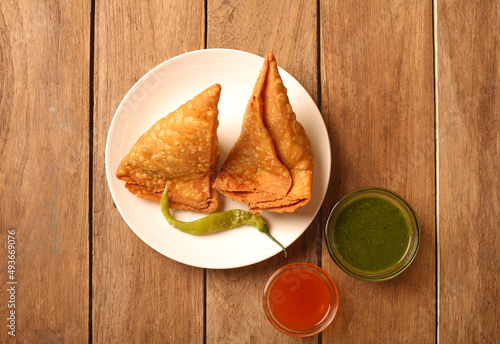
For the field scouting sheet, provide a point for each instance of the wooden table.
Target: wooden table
(409, 92)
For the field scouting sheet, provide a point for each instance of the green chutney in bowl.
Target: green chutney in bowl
(372, 234)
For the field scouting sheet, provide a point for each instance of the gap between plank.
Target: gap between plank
(436, 143)
(319, 216)
(205, 303)
(206, 25)
(91, 158)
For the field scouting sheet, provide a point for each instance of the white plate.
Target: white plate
(164, 89)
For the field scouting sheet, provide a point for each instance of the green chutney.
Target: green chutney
(371, 234)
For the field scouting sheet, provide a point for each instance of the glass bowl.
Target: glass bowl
(372, 234)
(300, 299)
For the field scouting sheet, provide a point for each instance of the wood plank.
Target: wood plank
(288, 28)
(139, 295)
(468, 36)
(44, 106)
(377, 98)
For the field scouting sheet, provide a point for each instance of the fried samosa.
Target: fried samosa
(271, 164)
(181, 150)
(252, 171)
(292, 144)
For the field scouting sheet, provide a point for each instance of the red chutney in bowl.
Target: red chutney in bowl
(300, 299)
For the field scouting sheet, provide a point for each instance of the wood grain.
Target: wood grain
(376, 93)
(139, 295)
(469, 164)
(288, 28)
(44, 49)
(377, 99)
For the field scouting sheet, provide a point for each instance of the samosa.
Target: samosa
(271, 164)
(180, 150)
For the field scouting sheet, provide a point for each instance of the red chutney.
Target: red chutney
(300, 299)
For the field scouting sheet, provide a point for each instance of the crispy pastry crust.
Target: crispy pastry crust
(182, 151)
(252, 167)
(271, 139)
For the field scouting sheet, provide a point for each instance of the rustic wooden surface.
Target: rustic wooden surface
(242, 26)
(409, 92)
(378, 102)
(468, 78)
(44, 173)
(154, 300)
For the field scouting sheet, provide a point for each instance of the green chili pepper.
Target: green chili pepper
(216, 221)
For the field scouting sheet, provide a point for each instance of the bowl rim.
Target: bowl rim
(328, 317)
(413, 245)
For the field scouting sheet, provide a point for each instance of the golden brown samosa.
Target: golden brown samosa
(180, 150)
(292, 144)
(271, 164)
(252, 171)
